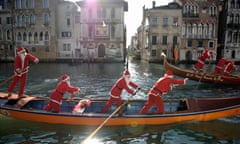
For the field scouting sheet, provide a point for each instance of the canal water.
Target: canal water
(95, 81)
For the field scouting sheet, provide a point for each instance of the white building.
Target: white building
(103, 34)
(68, 31)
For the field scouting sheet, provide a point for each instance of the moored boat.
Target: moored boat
(202, 76)
(176, 111)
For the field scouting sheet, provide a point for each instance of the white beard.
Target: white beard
(68, 82)
(22, 56)
(127, 80)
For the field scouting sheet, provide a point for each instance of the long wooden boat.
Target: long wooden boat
(202, 76)
(176, 111)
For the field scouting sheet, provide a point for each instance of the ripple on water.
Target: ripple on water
(12, 139)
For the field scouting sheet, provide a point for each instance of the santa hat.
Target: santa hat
(168, 74)
(126, 73)
(64, 77)
(20, 50)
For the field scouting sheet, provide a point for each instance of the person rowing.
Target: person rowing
(56, 97)
(122, 83)
(206, 54)
(161, 87)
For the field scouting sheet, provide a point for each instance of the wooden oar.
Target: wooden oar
(106, 120)
(204, 73)
(5, 81)
(11, 77)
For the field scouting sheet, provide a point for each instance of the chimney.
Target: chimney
(153, 4)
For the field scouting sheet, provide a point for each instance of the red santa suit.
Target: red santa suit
(162, 86)
(229, 67)
(57, 95)
(21, 63)
(220, 65)
(116, 91)
(201, 60)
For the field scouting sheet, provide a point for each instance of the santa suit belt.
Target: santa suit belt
(19, 75)
(200, 61)
(115, 96)
(156, 92)
(219, 67)
(52, 100)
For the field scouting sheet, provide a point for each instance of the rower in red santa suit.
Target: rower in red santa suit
(229, 67)
(162, 86)
(206, 54)
(115, 94)
(21, 63)
(220, 65)
(57, 95)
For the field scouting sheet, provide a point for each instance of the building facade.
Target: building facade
(6, 30)
(199, 28)
(229, 34)
(68, 31)
(28, 23)
(34, 27)
(160, 31)
(103, 32)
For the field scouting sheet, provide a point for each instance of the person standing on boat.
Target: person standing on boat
(206, 54)
(220, 65)
(21, 63)
(115, 94)
(57, 95)
(162, 86)
(229, 67)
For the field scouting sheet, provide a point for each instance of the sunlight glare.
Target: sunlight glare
(92, 141)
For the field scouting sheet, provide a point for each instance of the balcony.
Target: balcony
(190, 15)
(233, 26)
(199, 36)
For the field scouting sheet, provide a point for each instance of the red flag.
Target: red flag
(175, 55)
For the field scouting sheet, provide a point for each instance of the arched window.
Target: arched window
(113, 32)
(185, 9)
(35, 37)
(23, 3)
(8, 35)
(235, 37)
(31, 4)
(229, 36)
(236, 19)
(30, 37)
(45, 3)
(232, 3)
(200, 30)
(18, 4)
(46, 19)
(23, 20)
(19, 20)
(194, 30)
(231, 18)
(19, 36)
(184, 29)
(24, 36)
(41, 36)
(32, 19)
(210, 30)
(46, 36)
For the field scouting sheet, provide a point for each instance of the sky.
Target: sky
(133, 17)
